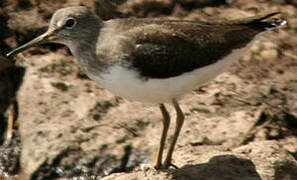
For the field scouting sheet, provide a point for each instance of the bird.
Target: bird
(153, 60)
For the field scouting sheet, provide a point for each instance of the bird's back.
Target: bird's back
(166, 48)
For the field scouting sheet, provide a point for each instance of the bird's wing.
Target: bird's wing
(172, 48)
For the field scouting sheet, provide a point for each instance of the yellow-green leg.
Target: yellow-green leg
(166, 123)
(179, 123)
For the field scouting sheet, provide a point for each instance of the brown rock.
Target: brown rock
(259, 160)
(294, 2)
(4, 63)
(146, 8)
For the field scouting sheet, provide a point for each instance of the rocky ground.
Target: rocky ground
(242, 125)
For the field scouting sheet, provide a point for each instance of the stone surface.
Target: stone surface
(263, 160)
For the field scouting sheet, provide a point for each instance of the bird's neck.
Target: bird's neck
(85, 52)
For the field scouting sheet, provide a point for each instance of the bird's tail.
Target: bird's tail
(262, 22)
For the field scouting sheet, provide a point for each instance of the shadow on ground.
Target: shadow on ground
(285, 171)
(219, 167)
(229, 167)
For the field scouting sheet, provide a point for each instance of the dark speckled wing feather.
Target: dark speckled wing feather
(170, 48)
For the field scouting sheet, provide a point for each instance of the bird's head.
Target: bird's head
(68, 26)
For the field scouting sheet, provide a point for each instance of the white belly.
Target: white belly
(126, 83)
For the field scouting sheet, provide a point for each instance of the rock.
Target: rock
(269, 54)
(49, 125)
(268, 50)
(4, 63)
(58, 126)
(146, 8)
(294, 2)
(190, 4)
(259, 160)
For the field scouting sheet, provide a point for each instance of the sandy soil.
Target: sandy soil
(242, 124)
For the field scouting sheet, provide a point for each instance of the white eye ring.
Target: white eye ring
(70, 23)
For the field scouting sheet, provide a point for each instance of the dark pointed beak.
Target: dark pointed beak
(44, 38)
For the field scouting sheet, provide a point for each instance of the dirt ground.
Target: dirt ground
(242, 125)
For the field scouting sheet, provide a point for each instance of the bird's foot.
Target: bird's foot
(146, 167)
(165, 166)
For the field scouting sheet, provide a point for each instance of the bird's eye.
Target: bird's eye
(70, 23)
